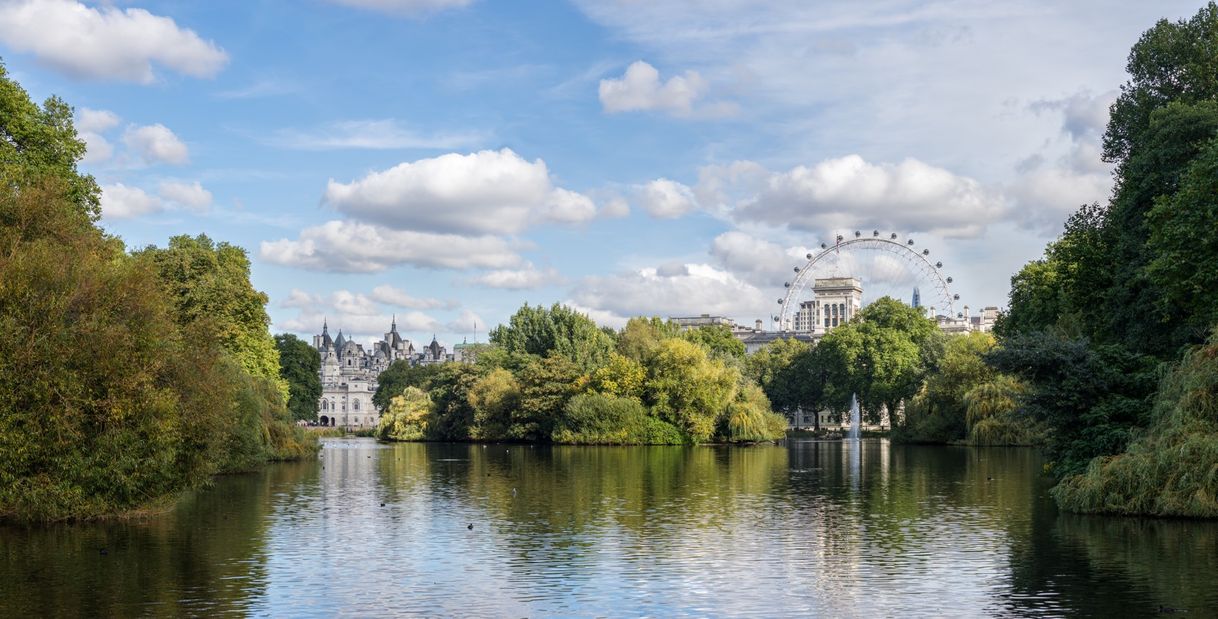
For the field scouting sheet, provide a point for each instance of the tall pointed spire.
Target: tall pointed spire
(325, 326)
(393, 326)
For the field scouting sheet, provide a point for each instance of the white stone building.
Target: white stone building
(348, 376)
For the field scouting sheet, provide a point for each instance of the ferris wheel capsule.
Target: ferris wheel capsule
(909, 242)
(857, 234)
(796, 269)
(893, 236)
(955, 297)
(875, 233)
(839, 238)
(925, 252)
(822, 246)
(938, 265)
(786, 284)
(949, 280)
(780, 301)
(809, 256)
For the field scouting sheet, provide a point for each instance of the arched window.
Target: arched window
(356, 404)
(324, 406)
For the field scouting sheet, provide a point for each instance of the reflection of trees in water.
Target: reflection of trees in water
(206, 557)
(543, 492)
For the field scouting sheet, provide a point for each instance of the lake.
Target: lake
(809, 528)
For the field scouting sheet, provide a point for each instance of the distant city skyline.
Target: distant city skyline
(449, 160)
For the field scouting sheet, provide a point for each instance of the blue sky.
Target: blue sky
(448, 160)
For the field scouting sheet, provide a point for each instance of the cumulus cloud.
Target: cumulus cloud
(190, 195)
(105, 42)
(483, 192)
(694, 289)
(119, 201)
(756, 260)
(156, 144)
(397, 297)
(467, 322)
(91, 124)
(615, 208)
(666, 199)
(405, 7)
(1067, 171)
(518, 279)
(384, 134)
(355, 247)
(839, 193)
(640, 89)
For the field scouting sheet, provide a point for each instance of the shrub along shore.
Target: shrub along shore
(126, 378)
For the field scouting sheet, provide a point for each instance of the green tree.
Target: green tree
(560, 329)
(881, 366)
(546, 384)
(1092, 398)
(1186, 245)
(493, 398)
(939, 413)
(300, 366)
(688, 389)
(40, 143)
(407, 418)
(641, 337)
(621, 377)
(452, 415)
(717, 339)
(790, 373)
(209, 283)
(397, 377)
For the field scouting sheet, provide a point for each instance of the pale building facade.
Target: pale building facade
(348, 376)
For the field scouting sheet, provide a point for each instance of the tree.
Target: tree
(209, 283)
(641, 337)
(300, 366)
(789, 373)
(493, 398)
(407, 417)
(1183, 235)
(560, 329)
(937, 414)
(621, 377)
(717, 339)
(397, 377)
(546, 384)
(37, 144)
(688, 389)
(452, 415)
(882, 366)
(1091, 397)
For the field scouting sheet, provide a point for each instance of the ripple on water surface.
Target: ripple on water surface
(824, 528)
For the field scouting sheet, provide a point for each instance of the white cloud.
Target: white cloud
(190, 195)
(95, 121)
(615, 208)
(105, 42)
(911, 196)
(405, 7)
(640, 89)
(466, 322)
(483, 192)
(666, 199)
(519, 279)
(604, 318)
(354, 247)
(119, 201)
(91, 124)
(691, 290)
(382, 134)
(756, 260)
(156, 144)
(389, 295)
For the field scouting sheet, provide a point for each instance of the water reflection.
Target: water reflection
(832, 528)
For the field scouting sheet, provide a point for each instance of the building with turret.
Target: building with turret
(349, 373)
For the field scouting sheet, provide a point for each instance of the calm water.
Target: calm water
(813, 528)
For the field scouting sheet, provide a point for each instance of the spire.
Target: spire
(393, 326)
(325, 327)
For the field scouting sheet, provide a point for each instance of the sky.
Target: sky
(445, 161)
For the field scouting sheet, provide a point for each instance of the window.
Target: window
(356, 404)
(324, 407)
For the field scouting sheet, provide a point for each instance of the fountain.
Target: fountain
(855, 421)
